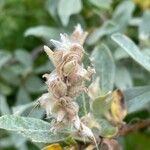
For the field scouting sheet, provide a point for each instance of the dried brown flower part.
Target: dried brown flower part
(67, 81)
(110, 144)
(55, 85)
(79, 35)
(118, 107)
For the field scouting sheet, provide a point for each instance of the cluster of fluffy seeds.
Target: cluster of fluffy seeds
(66, 82)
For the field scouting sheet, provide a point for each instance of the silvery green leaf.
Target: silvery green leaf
(123, 79)
(4, 108)
(127, 45)
(4, 57)
(83, 102)
(123, 14)
(120, 54)
(144, 27)
(34, 84)
(106, 129)
(118, 23)
(67, 8)
(19, 109)
(101, 105)
(101, 3)
(22, 96)
(23, 57)
(51, 6)
(107, 28)
(105, 67)
(135, 21)
(48, 66)
(5, 88)
(137, 98)
(34, 129)
(9, 76)
(43, 32)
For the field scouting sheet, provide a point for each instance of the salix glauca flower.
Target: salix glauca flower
(67, 81)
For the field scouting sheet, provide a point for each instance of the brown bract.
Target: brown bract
(66, 82)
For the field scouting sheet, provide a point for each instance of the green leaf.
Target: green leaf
(106, 129)
(34, 84)
(4, 108)
(107, 28)
(34, 129)
(9, 76)
(118, 23)
(120, 54)
(105, 67)
(67, 8)
(123, 13)
(144, 26)
(4, 57)
(123, 79)
(128, 46)
(48, 66)
(20, 109)
(83, 102)
(101, 3)
(101, 105)
(43, 32)
(22, 96)
(23, 57)
(137, 98)
(5, 88)
(51, 6)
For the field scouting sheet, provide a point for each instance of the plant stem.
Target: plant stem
(127, 129)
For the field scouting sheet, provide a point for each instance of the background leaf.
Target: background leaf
(123, 79)
(35, 129)
(67, 8)
(101, 3)
(127, 45)
(105, 67)
(137, 98)
(44, 32)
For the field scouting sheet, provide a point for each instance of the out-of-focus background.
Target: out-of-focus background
(26, 25)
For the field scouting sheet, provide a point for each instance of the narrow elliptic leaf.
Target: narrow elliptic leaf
(106, 129)
(123, 14)
(4, 108)
(118, 107)
(51, 6)
(43, 32)
(83, 102)
(22, 96)
(101, 105)
(120, 54)
(19, 109)
(34, 84)
(23, 57)
(67, 8)
(105, 67)
(5, 88)
(129, 46)
(137, 98)
(144, 27)
(53, 147)
(123, 79)
(4, 57)
(118, 23)
(105, 4)
(34, 129)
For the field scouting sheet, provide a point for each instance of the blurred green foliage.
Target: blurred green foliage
(26, 25)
